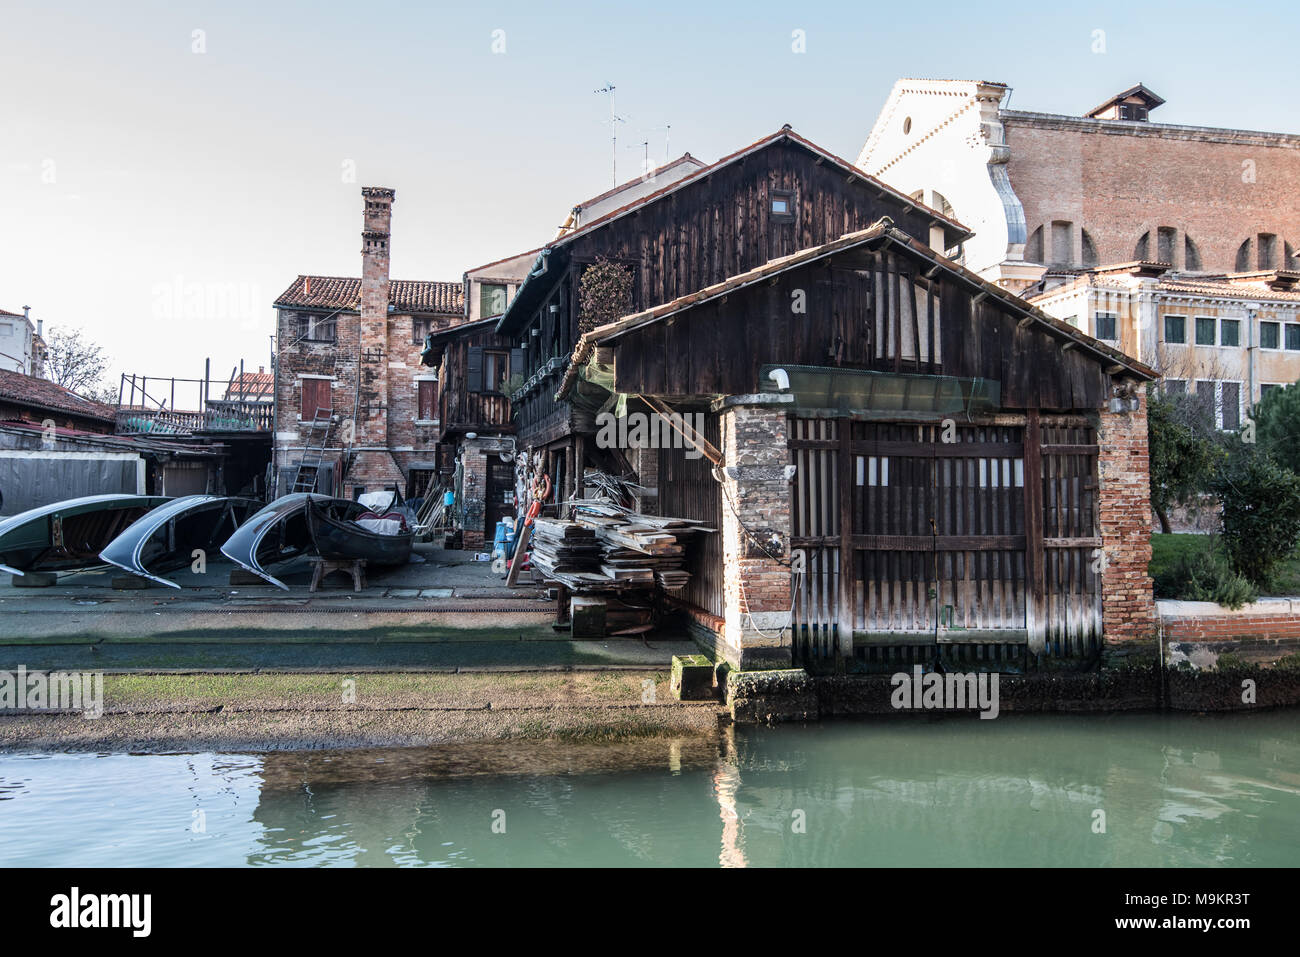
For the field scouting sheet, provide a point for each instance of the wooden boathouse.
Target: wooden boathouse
(906, 462)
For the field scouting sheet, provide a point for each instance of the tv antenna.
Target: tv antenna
(614, 120)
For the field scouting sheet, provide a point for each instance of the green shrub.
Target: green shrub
(1261, 514)
(1204, 576)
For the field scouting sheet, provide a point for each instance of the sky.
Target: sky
(168, 168)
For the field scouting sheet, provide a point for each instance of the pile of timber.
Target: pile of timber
(564, 548)
(609, 549)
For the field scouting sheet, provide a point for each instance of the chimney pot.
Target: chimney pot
(27, 312)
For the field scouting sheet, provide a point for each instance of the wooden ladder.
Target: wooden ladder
(313, 454)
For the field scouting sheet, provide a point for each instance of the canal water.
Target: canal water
(1119, 791)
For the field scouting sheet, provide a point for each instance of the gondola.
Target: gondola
(68, 535)
(167, 537)
(279, 532)
(341, 538)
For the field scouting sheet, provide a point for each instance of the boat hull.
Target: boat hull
(167, 537)
(69, 535)
(279, 532)
(343, 540)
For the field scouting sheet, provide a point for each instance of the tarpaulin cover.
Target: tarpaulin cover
(32, 479)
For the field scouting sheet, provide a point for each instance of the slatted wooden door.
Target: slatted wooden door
(938, 534)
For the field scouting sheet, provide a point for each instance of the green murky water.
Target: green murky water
(1021, 790)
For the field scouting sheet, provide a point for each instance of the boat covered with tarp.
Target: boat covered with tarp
(279, 532)
(69, 535)
(378, 538)
(167, 537)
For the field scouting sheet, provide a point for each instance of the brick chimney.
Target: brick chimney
(374, 468)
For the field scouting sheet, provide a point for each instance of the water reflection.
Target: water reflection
(1022, 790)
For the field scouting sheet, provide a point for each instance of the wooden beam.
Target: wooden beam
(1024, 322)
(679, 425)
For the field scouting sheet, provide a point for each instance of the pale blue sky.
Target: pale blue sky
(134, 171)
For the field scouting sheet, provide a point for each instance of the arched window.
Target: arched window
(1243, 257)
(1089, 250)
(1142, 251)
(1191, 255)
(1034, 248)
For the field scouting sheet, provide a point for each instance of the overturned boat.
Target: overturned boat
(279, 532)
(378, 539)
(166, 538)
(68, 535)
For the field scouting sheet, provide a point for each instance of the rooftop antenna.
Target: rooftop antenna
(645, 156)
(614, 120)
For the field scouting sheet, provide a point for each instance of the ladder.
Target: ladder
(313, 453)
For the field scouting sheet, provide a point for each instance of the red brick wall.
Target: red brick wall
(1118, 185)
(1253, 622)
(1128, 605)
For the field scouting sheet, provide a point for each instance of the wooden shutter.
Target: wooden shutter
(474, 373)
(316, 397)
(427, 392)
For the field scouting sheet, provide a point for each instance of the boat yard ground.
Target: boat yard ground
(433, 652)
(272, 712)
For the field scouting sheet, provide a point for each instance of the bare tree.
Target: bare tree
(76, 362)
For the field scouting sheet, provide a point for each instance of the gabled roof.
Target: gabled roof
(405, 295)
(684, 158)
(879, 234)
(783, 134)
(1152, 101)
(36, 393)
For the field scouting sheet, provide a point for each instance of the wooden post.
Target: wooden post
(845, 470)
(1035, 590)
(578, 467)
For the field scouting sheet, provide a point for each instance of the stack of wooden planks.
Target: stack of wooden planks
(609, 549)
(564, 548)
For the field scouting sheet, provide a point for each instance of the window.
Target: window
(1270, 335)
(496, 369)
(317, 399)
(419, 329)
(1204, 332)
(1106, 326)
(6, 329)
(1175, 387)
(1293, 336)
(1230, 405)
(1266, 388)
(315, 327)
(782, 206)
(1229, 332)
(428, 397)
(1176, 329)
(492, 299)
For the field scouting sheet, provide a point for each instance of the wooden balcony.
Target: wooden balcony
(219, 416)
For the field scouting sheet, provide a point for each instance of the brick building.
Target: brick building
(350, 392)
(1109, 186)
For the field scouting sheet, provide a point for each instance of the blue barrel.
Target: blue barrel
(504, 541)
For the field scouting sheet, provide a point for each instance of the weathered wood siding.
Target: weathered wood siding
(705, 232)
(865, 310)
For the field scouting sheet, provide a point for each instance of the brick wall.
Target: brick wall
(1119, 184)
(1124, 499)
(757, 591)
(474, 492)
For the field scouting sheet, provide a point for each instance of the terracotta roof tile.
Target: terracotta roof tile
(406, 295)
(26, 390)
